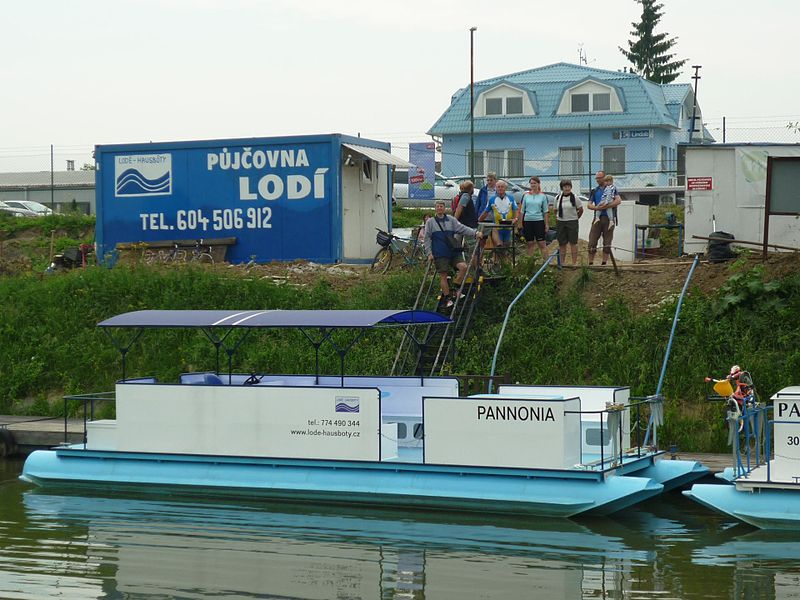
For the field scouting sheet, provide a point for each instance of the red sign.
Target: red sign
(699, 184)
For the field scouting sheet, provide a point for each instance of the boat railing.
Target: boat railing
(612, 428)
(751, 439)
(88, 401)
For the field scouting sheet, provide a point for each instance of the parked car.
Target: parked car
(36, 207)
(17, 212)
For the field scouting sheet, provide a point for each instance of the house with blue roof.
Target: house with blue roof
(564, 120)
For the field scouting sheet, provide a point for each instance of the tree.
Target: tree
(649, 53)
(88, 167)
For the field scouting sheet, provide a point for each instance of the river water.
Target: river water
(105, 545)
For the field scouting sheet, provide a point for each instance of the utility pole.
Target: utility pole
(696, 78)
(52, 182)
(472, 31)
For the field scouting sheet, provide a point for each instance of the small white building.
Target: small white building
(725, 191)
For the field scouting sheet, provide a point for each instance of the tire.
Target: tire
(382, 261)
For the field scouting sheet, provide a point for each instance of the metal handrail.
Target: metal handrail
(88, 401)
(675, 320)
(508, 312)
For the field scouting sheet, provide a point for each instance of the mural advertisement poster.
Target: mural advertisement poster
(421, 177)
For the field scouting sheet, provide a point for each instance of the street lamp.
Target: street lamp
(472, 31)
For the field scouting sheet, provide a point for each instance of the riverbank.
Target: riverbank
(580, 326)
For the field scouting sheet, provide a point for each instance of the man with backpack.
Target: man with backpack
(443, 248)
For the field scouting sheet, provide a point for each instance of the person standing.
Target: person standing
(486, 193)
(567, 215)
(604, 218)
(533, 221)
(442, 248)
(502, 209)
(465, 210)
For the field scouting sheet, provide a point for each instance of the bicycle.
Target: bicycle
(410, 250)
(201, 253)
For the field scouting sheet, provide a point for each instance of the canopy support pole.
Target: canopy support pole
(123, 349)
(230, 352)
(217, 343)
(342, 351)
(326, 334)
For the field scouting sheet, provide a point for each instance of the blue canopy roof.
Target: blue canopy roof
(357, 319)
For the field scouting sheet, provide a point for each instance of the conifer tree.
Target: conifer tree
(649, 51)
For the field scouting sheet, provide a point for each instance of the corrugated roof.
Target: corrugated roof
(645, 102)
(42, 179)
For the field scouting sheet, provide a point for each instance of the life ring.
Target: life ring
(8, 447)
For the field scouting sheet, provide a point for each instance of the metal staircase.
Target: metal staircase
(427, 351)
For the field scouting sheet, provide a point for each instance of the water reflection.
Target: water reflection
(84, 545)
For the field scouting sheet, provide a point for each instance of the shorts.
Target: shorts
(445, 264)
(533, 230)
(567, 232)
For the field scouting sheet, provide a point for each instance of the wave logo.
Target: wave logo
(347, 404)
(143, 175)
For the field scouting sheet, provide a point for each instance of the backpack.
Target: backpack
(454, 203)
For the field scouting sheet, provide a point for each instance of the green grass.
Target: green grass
(408, 217)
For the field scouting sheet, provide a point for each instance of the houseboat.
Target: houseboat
(763, 486)
(397, 441)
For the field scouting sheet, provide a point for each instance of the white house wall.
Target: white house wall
(736, 201)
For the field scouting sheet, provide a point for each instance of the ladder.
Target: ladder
(427, 352)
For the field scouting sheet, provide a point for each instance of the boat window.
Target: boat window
(402, 431)
(419, 431)
(592, 437)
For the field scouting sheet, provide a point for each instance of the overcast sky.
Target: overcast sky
(85, 72)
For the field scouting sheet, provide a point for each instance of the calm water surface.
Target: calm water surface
(96, 545)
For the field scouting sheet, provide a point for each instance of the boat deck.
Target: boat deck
(776, 478)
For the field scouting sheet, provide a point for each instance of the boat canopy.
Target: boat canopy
(326, 319)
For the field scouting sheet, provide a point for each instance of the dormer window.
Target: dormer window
(504, 100)
(590, 102)
(508, 105)
(588, 97)
(494, 106)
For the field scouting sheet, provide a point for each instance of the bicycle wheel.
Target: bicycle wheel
(205, 258)
(382, 261)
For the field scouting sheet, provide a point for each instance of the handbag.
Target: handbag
(452, 243)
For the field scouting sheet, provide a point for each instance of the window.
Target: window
(516, 163)
(614, 160)
(570, 161)
(514, 105)
(506, 163)
(507, 105)
(494, 106)
(366, 169)
(580, 102)
(664, 159)
(478, 165)
(402, 431)
(495, 161)
(601, 101)
(592, 437)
